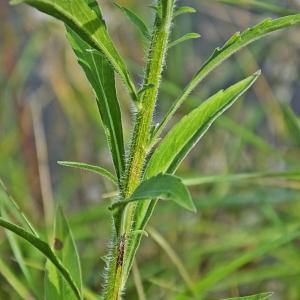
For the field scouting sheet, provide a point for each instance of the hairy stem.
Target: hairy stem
(118, 268)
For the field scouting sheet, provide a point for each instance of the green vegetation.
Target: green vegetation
(145, 157)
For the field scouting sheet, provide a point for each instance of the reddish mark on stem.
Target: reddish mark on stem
(121, 250)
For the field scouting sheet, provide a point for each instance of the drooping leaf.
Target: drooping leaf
(186, 37)
(184, 10)
(91, 168)
(83, 20)
(44, 248)
(262, 296)
(234, 44)
(65, 249)
(136, 21)
(187, 132)
(162, 186)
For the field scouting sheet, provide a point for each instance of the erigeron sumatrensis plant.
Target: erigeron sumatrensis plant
(145, 173)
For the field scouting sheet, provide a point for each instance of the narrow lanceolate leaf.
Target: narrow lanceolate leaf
(83, 20)
(184, 10)
(102, 79)
(235, 43)
(230, 178)
(262, 296)
(183, 136)
(44, 248)
(162, 186)
(91, 168)
(136, 21)
(186, 37)
(65, 249)
(187, 132)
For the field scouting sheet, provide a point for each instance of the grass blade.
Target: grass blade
(261, 5)
(234, 44)
(240, 177)
(65, 249)
(263, 296)
(44, 248)
(14, 281)
(92, 168)
(85, 22)
(225, 270)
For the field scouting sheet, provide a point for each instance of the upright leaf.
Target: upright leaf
(235, 43)
(187, 132)
(83, 20)
(65, 249)
(44, 248)
(101, 76)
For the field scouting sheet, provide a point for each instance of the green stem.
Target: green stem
(118, 269)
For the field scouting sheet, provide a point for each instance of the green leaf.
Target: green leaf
(261, 5)
(102, 79)
(91, 168)
(235, 43)
(65, 249)
(199, 180)
(184, 10)
(44, 248)
(136, 20)
(186, 37)
(14, 281)
(292, 122)
(162, 186)
(183, 136)
(262, 296)
(187, 132)
(83, 20)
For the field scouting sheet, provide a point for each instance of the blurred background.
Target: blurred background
(48, 113)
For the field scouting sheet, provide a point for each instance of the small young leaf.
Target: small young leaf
(186, 37)
(263, 296)
(136, 20)
(162, 186)
(44, 248)
(184, 10)
(83, 20)
(91, 168)
(65, 249)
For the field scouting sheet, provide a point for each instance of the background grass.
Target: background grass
(47, 113)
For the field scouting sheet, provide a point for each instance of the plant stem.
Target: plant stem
(118, 270)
